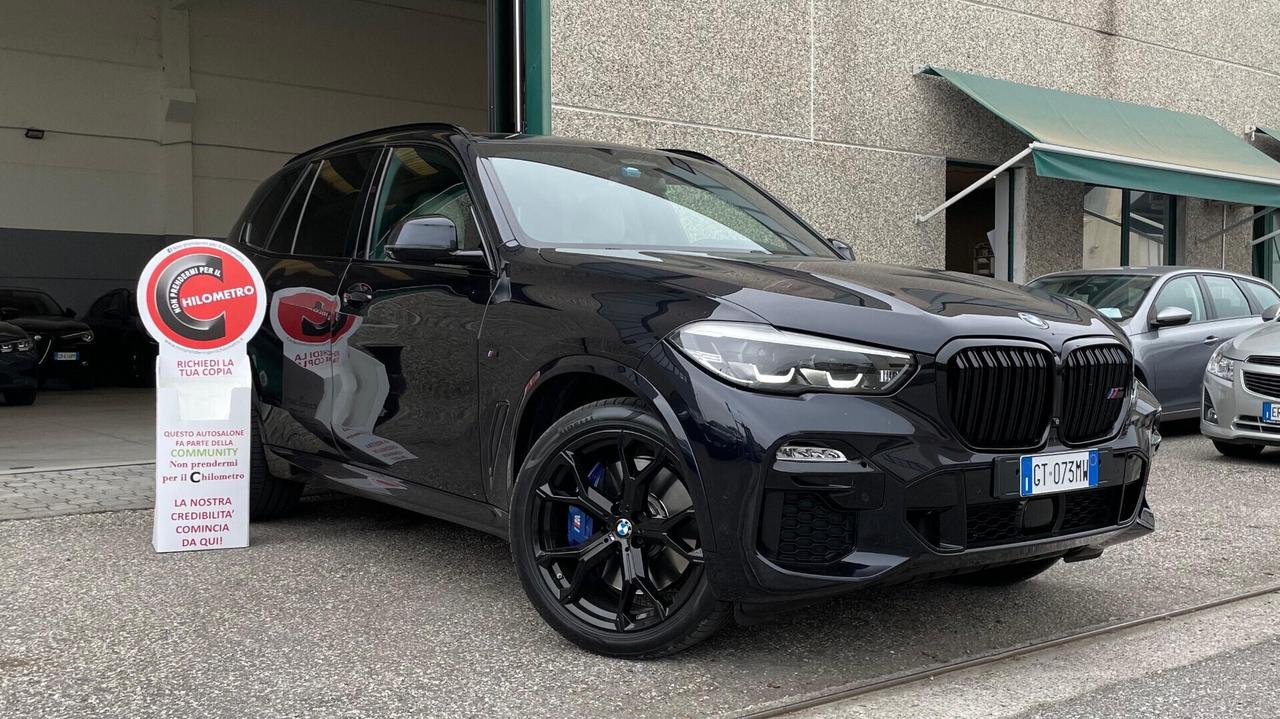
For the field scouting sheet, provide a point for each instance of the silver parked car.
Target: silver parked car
(1175, 316)
(1241, 411)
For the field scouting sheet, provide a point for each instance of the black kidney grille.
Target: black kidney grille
(1264, 359)
(1095, 384)
(1267, 385)
(1000, 397)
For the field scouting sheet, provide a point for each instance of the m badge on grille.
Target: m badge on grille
(1115, 393)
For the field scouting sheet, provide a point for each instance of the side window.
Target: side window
(331, 214)
(1263, 296)
(1228, 301)
(422, 181)
(1182, 292)
(286, 227)
(264, 215)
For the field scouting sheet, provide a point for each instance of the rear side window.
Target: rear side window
(1228, 301)
(1262, 295)
(1182, 292)
(331, 214)
(264, 215)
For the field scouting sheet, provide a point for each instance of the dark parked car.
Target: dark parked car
(1174, 316)
(63, 343)
(19, 365)
(124, 353)
(677, 401)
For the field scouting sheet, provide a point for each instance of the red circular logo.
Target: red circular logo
(201, 296)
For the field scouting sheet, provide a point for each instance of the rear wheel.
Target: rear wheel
(1238, 451)
(269, 496)
(605, 537)
(1006, 575)
(20, 397)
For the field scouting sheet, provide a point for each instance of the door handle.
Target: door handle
(357, 296)
(1211, 340)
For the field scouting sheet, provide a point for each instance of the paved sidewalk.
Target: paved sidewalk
(27, 495)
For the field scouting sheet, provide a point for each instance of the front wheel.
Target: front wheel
(605, 537)
(20, 397)
(1238, 451)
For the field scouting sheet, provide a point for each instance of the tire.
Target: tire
(608, 593)
(20, 397)
(1006, 575)
(270, 497)
(1238, 451)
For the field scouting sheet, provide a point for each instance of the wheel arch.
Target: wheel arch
(571, 382)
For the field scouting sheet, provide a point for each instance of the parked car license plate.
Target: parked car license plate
(1058, 472)
(1271, 412)
(65, 356)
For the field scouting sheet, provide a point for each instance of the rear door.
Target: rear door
(1229, 307)
(411, 348)
(1179, 355)
(303, 257)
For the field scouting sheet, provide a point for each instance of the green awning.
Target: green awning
(1120, 144)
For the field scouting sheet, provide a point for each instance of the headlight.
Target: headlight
(80, 336)
(17, 345)
(1220, 365)
(765, 358)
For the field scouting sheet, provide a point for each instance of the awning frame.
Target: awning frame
(1092, 154)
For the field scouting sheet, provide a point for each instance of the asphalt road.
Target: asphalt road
(353, 609)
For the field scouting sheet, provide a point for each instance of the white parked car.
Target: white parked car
(1240, 409)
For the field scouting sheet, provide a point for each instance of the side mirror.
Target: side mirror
(1171, 317)
(843, 248)
(1271, 313)
(423, 239)
(68, 313)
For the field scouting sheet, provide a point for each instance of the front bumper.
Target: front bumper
(65, 359)
(1230, 412)
(911, 503)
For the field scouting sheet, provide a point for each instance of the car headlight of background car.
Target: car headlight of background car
(79, 337)
(1220, 365)
(765, 358)
(17, 346)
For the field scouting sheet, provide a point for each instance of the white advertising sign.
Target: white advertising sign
(202, 301)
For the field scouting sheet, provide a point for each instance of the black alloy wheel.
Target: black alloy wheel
(606, 537)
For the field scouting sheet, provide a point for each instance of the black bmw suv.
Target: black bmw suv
(677, 401)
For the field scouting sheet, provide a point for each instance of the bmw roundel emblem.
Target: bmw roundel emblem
(1033, 320)
(623, 528)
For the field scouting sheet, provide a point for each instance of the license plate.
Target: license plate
(1060, 472)
(66, 356)
(1271, 412)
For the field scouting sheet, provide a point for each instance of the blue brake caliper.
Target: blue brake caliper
(581, 524)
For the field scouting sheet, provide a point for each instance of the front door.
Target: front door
(303, 261)
(1180, 354)
(411, 352)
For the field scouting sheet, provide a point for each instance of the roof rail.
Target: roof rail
(694, 154)
(424, 126)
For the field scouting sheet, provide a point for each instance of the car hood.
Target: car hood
(11, 332)
(49, 324)
(904, 307)
(1263, 340)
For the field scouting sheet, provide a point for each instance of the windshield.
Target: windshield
(613, 198)
(25, 303)
(1115, 296)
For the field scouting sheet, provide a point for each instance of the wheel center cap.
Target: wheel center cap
(623, 528)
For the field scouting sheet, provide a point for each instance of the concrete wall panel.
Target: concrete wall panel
(731, 63)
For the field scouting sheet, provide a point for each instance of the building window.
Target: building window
(1129, 227)
(1266, 254)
